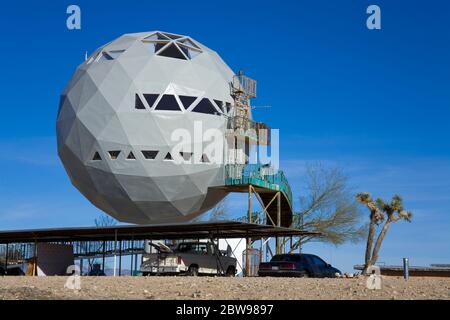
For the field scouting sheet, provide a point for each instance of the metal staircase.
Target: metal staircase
(266, 182)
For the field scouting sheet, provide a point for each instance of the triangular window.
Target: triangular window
(150, 98)
(149, 154)
(131, 156)
(227, 107)
(168, 102)
(205, 106)
(205, 159)
(115, 53)
(96, 157)
(114, 154)
(172, 51)
(187, 101)
(186, 155)
(168, 156)
(138, 102)
(104, 57)
(219, 104)
(154, 47)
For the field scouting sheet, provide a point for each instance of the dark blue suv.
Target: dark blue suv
(297, 265)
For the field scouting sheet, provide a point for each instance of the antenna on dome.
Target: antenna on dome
(85, 56)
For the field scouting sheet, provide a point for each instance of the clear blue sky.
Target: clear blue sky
(376, 103)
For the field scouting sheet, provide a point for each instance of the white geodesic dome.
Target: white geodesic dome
(115, 121)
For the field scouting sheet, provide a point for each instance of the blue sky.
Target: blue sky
(376, 103)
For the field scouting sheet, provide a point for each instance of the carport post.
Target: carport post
(120, 258)
(249, 240)
(277, 239)
(6, 259)
(115, 252)
(103, 255)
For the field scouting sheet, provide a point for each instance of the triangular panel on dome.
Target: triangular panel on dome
(96, 156)
(154, 47)
(156, 37)
(104, 56)
(115, 53)
(187, 100)
(131, 156)
(172, 51)
(168, 103)
(168, 156)
(219, 104)
(138, 103)
(189, 43)
(150, 98)
(205, 106)
(171, 36)
(149, 154)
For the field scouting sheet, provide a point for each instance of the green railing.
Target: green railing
(259, 175)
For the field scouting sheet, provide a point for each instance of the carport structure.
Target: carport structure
(117, 241)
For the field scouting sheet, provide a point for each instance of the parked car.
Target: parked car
(189, 258)
(297, 265)
(12, 271)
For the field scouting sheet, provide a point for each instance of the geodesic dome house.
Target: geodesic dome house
(116, 118)
(134, 127)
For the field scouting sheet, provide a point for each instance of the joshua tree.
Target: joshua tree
(380, 211)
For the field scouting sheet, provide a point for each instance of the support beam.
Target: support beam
(278, 242)
(120, 258)
(115, 252)
(103, 256)
(6, 259)
(249, 240)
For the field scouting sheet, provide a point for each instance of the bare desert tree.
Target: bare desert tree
(219, 212)
(328, 207)
(380, 211)
(102, 220)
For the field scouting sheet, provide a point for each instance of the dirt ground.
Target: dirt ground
(221, 288)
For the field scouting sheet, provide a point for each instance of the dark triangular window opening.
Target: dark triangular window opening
(172, 51)
(186, 155)
(104, 56)
(205, 159)
(205, 106)
(96, 157)
(168, 102)
(187, 101)
(150, 98)
(131, 156)
(219, 104)
(114, 154)
(154, 47)
(168, 156)
(114, 54)
(185, 51)
(138, 102)
(149, 154)
(228, 106)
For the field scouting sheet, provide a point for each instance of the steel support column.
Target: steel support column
(249, 240)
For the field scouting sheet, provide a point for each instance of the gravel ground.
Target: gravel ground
(221, 288)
